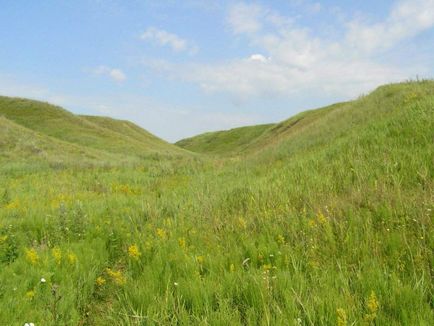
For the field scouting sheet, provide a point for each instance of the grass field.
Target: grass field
(323, 219)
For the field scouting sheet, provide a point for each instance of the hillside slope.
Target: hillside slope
(19, 145)
(224, 142)
(58, 123)
(310, 127)
(128, 129)
(251, 138)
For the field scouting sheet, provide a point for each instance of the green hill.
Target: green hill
(128, 129)
(224, 142)
(251, 138)
(314, 126)
(90, 133)
(21, 145)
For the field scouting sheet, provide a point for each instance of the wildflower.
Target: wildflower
(182, 243)
(14, 204)
(372, 305)
(30, 294)
(32, 256)
(267, 267)
(133, 252)
(57, 255)
(242, 223)
(116, 276)
(232, 268)
(200, 259)
(321, 218)
(342, 317)
(175, 283)
(311, 223)
(100, 281)
(280, 239)
(43, 280)
(29, 324)
(161, 233)
(72, 258)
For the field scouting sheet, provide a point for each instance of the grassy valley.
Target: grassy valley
(323, 219)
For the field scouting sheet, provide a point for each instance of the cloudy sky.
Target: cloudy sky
(179, 68)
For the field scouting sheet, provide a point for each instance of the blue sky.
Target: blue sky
(179, 68)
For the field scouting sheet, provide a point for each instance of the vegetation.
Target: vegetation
(224, 142)
(326, 218)
(103, 134)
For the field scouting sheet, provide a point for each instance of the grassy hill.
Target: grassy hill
(248, 139)
(310, 126)
(224, 142)
(130, 130)
(102, 134)
(325, 219)
(19, 145)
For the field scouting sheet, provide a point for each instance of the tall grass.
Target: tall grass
(331, 224)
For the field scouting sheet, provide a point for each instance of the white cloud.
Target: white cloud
(171, 40)
(407, 19)
(295, 60)
(114, 73)
(245, 18)
(258, 58)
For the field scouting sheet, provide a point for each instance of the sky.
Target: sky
(180, 68)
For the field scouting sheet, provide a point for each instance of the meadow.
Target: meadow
(323, 219)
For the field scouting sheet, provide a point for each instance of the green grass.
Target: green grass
(91, 132)
(326, 218)
(224, 142)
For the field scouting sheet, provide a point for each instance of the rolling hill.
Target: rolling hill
(319, 126)
(75, 136)
(224, 142)
(19, 144)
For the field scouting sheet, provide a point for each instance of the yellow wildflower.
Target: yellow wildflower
(14, 204)
(321, 218)
(267, 267)
(32, 256)
(242, 223)
(72, 258)
(311, 223)
(116, 276)
(280, 239)
(342, 317)
(30, 294)
(100, 281)
(372, 305)
(182, 243)
(161, 233)
(200, 259)
(57, 254)
(133, 252)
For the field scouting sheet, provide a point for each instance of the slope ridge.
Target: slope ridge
(58, 123)
(313, 126)
(20, 144)
(224, 142)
